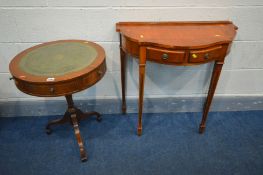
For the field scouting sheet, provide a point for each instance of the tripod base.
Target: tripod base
(74, 115)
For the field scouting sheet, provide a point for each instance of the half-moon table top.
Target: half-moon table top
(185, 35)
(57, 60)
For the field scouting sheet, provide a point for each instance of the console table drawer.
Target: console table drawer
(204, 55)
(165, 56)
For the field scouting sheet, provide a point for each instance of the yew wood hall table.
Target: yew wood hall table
(60, 68)
(175, 43)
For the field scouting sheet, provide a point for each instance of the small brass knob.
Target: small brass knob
(165, 56)
(194, 55)
(99, 72)
(206, 56)
(52, 90)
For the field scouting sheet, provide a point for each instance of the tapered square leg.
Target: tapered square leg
(213, 83)
(123, 80)
(142, 64)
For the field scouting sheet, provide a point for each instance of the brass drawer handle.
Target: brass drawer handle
(165, 56)
(206, 56)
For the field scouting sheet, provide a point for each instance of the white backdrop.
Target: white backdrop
(29, 22)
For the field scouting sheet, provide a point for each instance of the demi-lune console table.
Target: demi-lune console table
(175, 43)
(60, 68)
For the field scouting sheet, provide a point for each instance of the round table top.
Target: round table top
(57, 60)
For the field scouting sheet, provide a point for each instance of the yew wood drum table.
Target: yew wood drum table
(175, 43)
(60, 68)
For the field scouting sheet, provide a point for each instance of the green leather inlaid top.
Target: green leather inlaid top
(58, 59)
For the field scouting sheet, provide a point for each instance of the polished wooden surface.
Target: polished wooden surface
(182, 35)
(61, 85)
(175, 43)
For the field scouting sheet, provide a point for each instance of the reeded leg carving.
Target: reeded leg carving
(214, 79)
(123, 80)
(142, 63)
